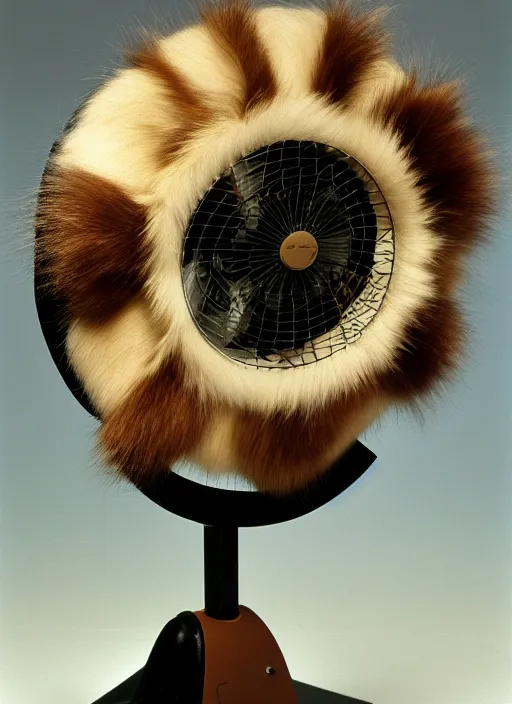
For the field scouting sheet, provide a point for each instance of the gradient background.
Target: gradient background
(399, 592)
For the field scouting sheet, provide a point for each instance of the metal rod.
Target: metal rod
(221, 572)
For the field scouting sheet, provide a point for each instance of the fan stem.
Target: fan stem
(221, 572)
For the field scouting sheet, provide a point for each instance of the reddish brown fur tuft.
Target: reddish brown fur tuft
(185, 99)
(151, 59)
(430, 352)
(353, 42)
(90, 243)
(159, 423)
(282, 452)
(453, 167)
(455, 174)
(233, 26)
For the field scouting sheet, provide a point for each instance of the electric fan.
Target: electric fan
(248, 246)
(252, 237)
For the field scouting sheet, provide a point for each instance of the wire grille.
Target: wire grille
(244, 300)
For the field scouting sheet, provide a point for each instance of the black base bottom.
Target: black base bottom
(306, 694)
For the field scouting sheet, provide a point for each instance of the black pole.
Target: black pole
(221, 572)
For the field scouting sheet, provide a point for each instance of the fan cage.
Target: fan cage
(246, 303)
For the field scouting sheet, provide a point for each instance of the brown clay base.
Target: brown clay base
(243, 662)
(201, 660)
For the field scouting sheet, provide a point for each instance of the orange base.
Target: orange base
(243, 662)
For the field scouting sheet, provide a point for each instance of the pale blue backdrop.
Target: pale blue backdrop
(399, 591)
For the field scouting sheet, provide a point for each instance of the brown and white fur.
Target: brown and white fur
(121, 189)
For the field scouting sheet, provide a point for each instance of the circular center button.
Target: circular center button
(298, 250)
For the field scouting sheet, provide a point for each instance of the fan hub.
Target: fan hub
(299, 250)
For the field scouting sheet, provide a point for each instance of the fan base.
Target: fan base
(229, 658)
(306, 694)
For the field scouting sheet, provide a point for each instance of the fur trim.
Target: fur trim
(453, 168)
(449, 155)
(90, 241)
(411, 283)
(280, 453)
(430, 352)
(352, 44)
(158, 423)
(233, 25)
(385, 77)
(293, 39)
(156, 137)
(113, 358)
(215, 451)
(181, 94)
(122, 132)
